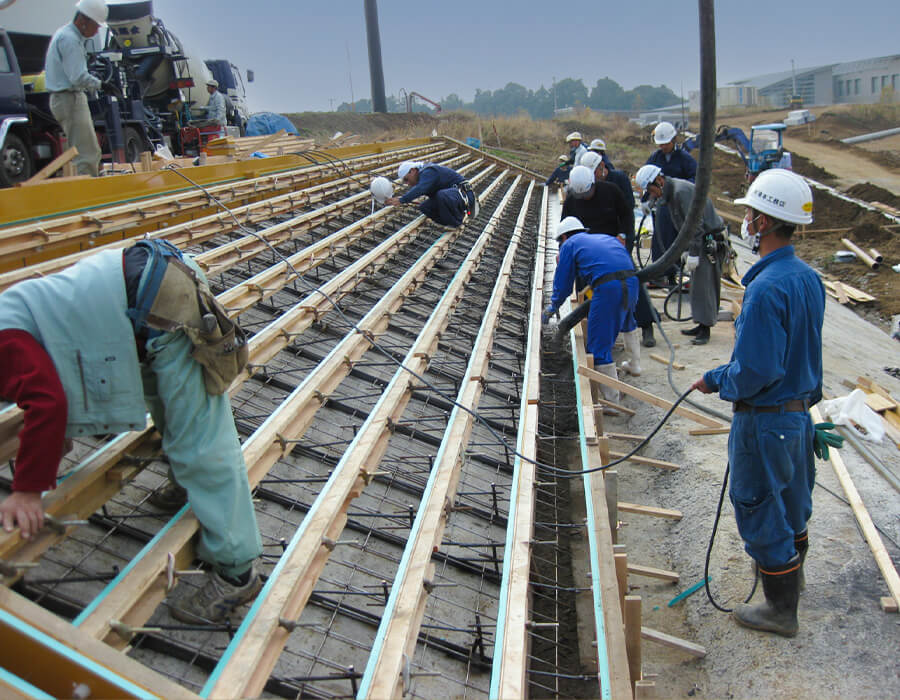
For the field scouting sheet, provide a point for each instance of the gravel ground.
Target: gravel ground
(846, 647)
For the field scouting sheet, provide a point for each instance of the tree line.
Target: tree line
(607, 94)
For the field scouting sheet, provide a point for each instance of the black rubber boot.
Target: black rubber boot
(778, 613)
(702, 336)
(692, 331)
(648, 341)
(801, 544)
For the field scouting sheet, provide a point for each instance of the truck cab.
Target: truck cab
(231, 85)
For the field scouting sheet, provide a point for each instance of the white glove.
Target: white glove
(691, 263)
(645, 207)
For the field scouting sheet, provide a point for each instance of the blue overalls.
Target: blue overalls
(777, 358)
(445, 204)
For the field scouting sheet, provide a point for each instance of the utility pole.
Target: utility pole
(554, 94)
(376, 71)
(350, 76)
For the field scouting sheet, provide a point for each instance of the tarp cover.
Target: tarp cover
(265, 123)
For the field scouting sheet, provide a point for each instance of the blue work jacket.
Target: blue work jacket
(777, 353)
(621, 180)
(432, 179)
(589, 257)
(560, 175)
(679, 163)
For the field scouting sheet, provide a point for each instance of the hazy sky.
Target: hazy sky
(298, 49)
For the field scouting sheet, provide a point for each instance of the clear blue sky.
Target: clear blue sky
(298, 48)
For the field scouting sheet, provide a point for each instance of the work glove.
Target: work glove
(545, 317)
(645, 208)
(823, 439)
(691, 262)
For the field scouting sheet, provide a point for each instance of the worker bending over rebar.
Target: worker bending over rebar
(449, 196)
(88, 351)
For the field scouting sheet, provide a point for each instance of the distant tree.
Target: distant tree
(571, 93)
(451, 102)
(607, 94)
(650, 97)
(541, 104)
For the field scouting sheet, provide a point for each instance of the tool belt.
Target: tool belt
(622, 276)
(795, 405)
(465, 189)
(172, 297)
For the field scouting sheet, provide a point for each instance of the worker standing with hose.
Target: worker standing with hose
(68, 82)
(774, 376)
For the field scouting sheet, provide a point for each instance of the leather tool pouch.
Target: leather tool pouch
(220, 345)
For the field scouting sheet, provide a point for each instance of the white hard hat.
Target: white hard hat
(563, 159)
(406, 166)
(663, 133)
(575, 135)
(381, 188)
(568, 225)
(781, 194)
(645, 175)
(598, 145)
(93, 9)
(212, 82)
(581, 179)
(590, 160)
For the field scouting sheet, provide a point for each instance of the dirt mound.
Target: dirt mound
(868, 192)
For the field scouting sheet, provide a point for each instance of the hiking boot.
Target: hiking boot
(778, 613)
(702, 336)
(216, 599)
(648, 340)
(169, 498)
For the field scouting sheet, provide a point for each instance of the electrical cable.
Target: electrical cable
(562, 473)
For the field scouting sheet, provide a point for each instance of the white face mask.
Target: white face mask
(745, 226)
(745, 234)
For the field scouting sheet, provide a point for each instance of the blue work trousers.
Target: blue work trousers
(607, 318)
(201, 442)
(772, 476)
(446, 207)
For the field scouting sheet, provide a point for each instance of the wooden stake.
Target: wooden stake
(51, 167)
(668, 640)
(633, 635)
(663, 361)
(650, 510)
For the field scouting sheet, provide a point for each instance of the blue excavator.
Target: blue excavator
(762, 151)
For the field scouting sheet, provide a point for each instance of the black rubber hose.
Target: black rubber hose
(707, 140)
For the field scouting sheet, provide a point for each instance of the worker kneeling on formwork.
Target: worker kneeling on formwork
(89, 350)
(586, 258)
(449, 196)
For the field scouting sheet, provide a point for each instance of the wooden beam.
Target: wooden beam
(650, 572)
(51, 167)
(650, 510)
(633, 636)
(665, 361)
(667, 640)
(646, 396)
(724, 430)
(882, 558)
(649, 461)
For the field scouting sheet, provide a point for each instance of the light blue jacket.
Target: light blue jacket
(215, 108)
(78, 316)
(66, 63)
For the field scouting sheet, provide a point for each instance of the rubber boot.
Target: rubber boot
(609, 393)
(778, 613)
(801, 544)
(649, 341)
(633, 347)
(692, 331)
(702, 337)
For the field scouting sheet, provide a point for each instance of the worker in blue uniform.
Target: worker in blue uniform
(449, 196)
(589, 257)
(125, 333)
(561, 174)
(674, 162)
(774, 376)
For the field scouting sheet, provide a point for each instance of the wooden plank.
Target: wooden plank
(651, 572)
(646, 396)
(841, 294)
(649, 461)
(51, 167)
(664, 361)
(625, 436)
(650, 510)
(633, 636)
(667, 640)
(724, 430)
(879, 403)
(882, 558)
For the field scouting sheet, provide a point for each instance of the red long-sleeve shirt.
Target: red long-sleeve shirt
(29, 378)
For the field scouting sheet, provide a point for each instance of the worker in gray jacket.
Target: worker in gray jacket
(68, 82)
(706, 253)
(215, 108)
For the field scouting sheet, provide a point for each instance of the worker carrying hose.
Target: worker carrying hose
(587, 257)
(68, 82)
(774, 376)
(89, 350)
(674, 161)
(707, 252)
(449, 196)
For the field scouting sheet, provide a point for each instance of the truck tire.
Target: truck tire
(134, 145)
(15, 162)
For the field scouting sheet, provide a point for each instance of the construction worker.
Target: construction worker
(599, 205)
(707, 252)
(215, 108)
(449, 195)
(585, 257)
(68, 82)
(599, 146)
(576, 147)
(561, 174)
(774, 376)
(644, 313)
(674, 162)
(83, 352)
